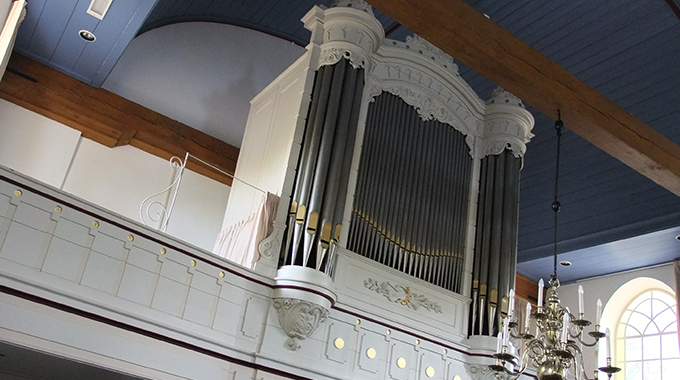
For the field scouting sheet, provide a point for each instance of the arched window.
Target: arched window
(647, 338)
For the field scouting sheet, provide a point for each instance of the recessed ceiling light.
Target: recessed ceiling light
(678, 237)
(87, 35)
(98, 8)
(565, 263)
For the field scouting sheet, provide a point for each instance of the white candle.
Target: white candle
(599, 312)
(526, 318)
(609, 343)
(511, 303)
(540, 293)
(499, 343)
(580, 300)
(506, 331)
(565, 327)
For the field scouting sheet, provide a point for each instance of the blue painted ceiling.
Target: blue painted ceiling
(628, 50)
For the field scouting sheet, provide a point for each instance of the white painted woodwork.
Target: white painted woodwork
(59, 255)
(35, 145)
(118, 179)
(271, 143)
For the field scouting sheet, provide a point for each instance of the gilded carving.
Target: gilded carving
(402, 295)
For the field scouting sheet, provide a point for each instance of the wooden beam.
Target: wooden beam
(466, 34)
(111, 120)
(526, 289)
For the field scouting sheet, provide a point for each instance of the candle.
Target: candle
(565, 327)
(526, 318)
(599, 312)
(511, 303)
(499, 343)
(580, 300)
(609, 343)
(506, 331)
(540, 293)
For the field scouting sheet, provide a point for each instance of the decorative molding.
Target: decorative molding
(271, 246)
(480, 372)
(497, 146)
(501, 96)
(298, 318)
(402, 295)
(332, 55)
(429, 108)
(423, 46)
(507, 124)
(356, 4)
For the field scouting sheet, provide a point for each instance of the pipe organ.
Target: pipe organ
(379, 147)
(411, 199)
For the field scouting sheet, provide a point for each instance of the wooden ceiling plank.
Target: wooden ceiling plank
(466, 34)
(111, 120)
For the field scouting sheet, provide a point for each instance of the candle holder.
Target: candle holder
(609, 370)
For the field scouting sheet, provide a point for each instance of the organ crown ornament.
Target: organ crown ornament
(356, 4)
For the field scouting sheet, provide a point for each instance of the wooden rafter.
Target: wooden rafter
(111, 120)
(466, 34)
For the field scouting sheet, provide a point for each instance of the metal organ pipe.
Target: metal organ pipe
(323, 169)
(410, 204)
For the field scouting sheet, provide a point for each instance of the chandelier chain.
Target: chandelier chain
(556, 204)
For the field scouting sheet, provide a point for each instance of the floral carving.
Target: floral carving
(422, 45)
(299, 319)
(331, 56)
(480, 372)
(402, 295)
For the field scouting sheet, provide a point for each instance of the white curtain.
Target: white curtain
(11, 15)
(240, 242)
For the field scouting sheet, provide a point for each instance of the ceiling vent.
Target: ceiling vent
(98, 8)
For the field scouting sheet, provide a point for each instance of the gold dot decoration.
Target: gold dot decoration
(163, 251)
(371, 353)
(58, 209)
(417, 341)
(222, 274)
(389, 332)
(193, 263)
(401, 363)
(95, 224)
(131, 238)
(358, 321)
(429, 371)
(445, 351)
(339, 343)
(18, 193)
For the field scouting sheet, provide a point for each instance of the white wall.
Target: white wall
(118, 179)
(202, 74)
(35, 145)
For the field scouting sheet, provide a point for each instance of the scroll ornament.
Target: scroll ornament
(332, 55)
(480, 372)
(402, 295)
(298, 319)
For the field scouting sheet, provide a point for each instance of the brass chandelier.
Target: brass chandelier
(555, 350)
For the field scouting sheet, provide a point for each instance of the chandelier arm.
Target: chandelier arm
(583, 368)
(585, 343)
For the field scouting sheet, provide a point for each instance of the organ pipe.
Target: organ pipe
(315, 216)
(411, 201)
